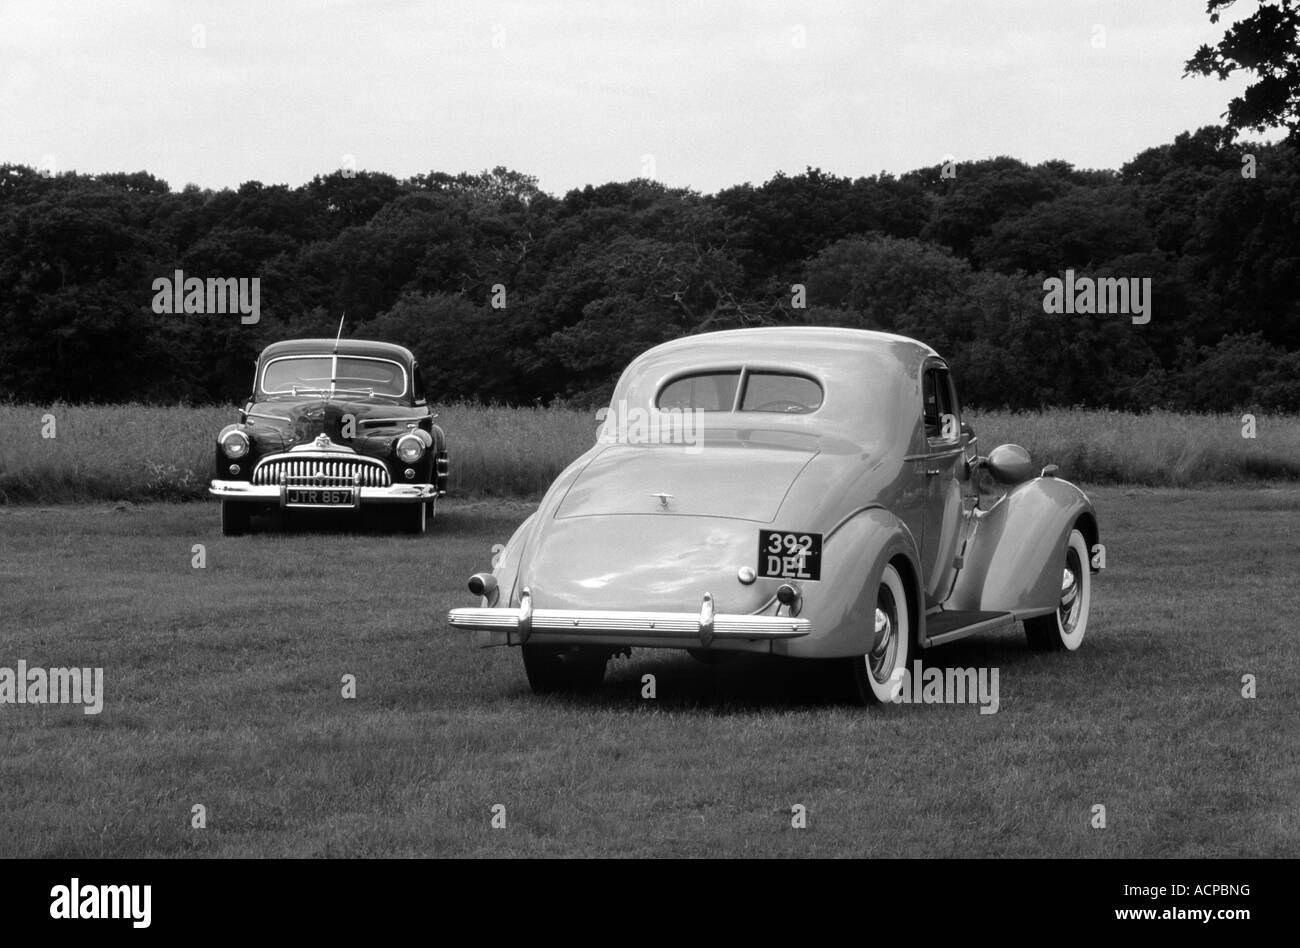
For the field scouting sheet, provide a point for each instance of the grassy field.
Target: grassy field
(223, 688)
(142, 452)
(139, 452)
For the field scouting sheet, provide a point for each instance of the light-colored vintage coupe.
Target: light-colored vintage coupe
(807, 492)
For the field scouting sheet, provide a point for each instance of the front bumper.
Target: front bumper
(507, 626)
(277, 494)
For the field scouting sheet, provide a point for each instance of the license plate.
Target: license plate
(316, 497)
(786, 554)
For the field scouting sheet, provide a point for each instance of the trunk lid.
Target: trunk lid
(729, 480)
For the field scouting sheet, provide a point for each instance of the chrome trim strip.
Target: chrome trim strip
(298, 450)
(986, 625)
(412, 420)
(935, 455)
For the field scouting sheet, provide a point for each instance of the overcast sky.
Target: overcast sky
(698, 94)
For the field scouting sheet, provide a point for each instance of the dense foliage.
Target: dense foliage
(1264, 46)
(955, 255)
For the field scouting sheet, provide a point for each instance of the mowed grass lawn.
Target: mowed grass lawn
(223, 689)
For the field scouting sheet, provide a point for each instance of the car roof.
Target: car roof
(812, 347)
(351, 347)
(871, 380)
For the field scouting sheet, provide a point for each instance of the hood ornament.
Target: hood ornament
(322, 441)
(663, 500)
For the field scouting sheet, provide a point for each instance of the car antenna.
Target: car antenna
(334, 357)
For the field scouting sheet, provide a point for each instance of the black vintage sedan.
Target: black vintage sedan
(332, 425)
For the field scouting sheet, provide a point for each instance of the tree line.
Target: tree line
(509, 294)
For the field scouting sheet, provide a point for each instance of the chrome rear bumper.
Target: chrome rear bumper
(525, 623)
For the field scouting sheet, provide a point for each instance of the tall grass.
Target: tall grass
(140, 452)
(1158, 448)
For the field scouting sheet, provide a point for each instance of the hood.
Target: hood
(285, 423)
(727, 480)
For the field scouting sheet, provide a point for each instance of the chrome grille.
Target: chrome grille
(299, 471)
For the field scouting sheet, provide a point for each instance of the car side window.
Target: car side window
(931, 402)
(940, 405)
(417, 385)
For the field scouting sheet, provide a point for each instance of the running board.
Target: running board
(943, 627)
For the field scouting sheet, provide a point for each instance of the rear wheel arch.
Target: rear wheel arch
(911, 577)
(855, 554)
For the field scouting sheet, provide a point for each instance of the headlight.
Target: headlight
(410, 448)
(234, 444)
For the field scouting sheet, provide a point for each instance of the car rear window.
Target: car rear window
(763, 391)
(777, 391)
(711, 391)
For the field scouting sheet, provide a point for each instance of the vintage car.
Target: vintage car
(337, 425)
(806, 492)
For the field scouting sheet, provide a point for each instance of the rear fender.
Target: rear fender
(506, 561)
(842, 604)
(505, 564)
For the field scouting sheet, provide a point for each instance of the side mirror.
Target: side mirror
(1009, 464)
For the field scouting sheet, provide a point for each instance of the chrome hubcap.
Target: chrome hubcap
(1069, 608)
(885, 645)
(1069, 588)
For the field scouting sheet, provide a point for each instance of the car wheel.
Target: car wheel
(234, 518)
(874, 676)
(558, 668)
(1064, 628)
(415, 518)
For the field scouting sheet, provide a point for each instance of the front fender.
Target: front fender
(842, 604)
(1013, 559)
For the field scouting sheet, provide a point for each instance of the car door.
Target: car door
(947, 483)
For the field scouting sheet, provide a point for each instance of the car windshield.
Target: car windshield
(313, 373)
(763, 391)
